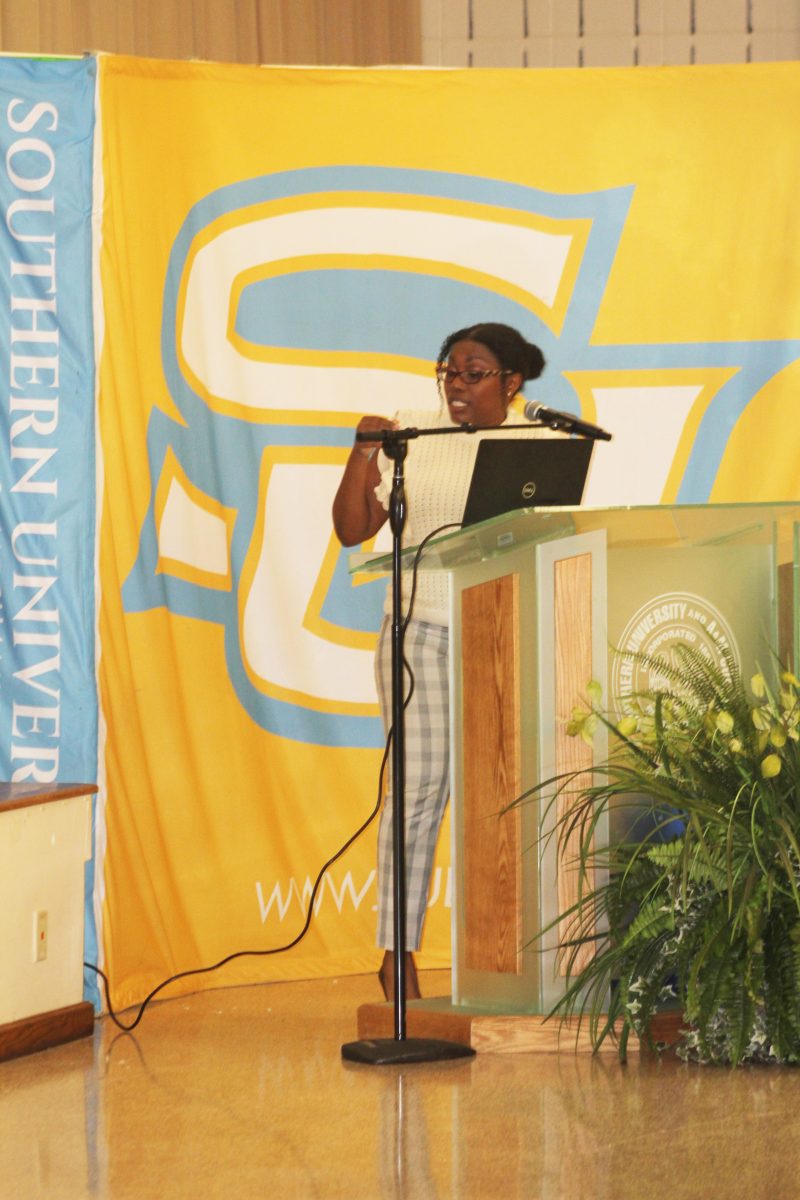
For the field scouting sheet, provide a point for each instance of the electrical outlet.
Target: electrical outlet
(40, 935)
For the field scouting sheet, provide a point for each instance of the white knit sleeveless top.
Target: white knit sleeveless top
(438, 471)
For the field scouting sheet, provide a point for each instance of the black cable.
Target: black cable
(415, 569)
(317, 882)
(248, 953)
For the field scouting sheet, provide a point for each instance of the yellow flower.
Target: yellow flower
(735, 746)
(770, 766)
(788, 677)
(724, 722)
(760, 718)
(583, 724)
(594, 691)
(777, 735)
(758, 686)
(589, 726)
(627, 726)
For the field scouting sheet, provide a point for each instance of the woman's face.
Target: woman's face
(485, 401)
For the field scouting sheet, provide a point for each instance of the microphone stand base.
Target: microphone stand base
(398, 1051)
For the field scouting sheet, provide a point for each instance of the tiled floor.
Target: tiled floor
(242, 1093)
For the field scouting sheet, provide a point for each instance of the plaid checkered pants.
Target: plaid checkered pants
(427, 776)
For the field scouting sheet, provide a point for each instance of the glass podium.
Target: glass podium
(541, 600)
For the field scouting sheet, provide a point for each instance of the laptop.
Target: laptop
(511, 473)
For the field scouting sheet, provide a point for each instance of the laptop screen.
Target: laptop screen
(511, 473)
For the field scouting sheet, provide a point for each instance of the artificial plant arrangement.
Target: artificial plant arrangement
(700, 908)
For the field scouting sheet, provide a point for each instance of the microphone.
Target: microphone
(565, 422)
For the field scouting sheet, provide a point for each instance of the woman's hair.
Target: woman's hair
(508, 346)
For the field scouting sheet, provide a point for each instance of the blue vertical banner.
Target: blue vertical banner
(48, 707)
(48, 695)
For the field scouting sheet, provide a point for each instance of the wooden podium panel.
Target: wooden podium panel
(573, 670)
(527, 639)
(492, 875)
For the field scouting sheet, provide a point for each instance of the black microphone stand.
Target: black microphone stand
(401, 1049)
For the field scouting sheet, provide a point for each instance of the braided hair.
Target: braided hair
(509, 347)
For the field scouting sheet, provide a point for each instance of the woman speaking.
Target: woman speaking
(479, 371)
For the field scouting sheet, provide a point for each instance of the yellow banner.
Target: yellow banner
(283, 250)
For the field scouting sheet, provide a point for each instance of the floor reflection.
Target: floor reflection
(243, 1093)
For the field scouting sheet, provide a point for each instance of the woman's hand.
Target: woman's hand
(357, 512)
(371, 424)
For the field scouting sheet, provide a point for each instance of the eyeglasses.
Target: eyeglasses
(470, 377)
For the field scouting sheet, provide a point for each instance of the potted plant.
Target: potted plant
(700, 908)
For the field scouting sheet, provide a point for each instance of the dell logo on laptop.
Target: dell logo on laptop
(528, 490)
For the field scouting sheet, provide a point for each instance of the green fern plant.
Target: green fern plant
(702, 911)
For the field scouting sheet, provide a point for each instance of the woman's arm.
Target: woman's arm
(357, 512)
